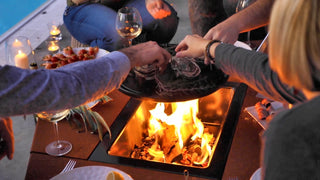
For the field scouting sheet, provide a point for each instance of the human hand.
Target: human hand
(158, 9)
(225, 31)
(191, 46)
(6, 133)
(147, 53)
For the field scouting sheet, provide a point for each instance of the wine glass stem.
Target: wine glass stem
(56, 130)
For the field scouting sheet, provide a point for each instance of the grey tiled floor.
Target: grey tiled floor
(36, 30)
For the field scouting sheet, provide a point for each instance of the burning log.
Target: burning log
(170, 143)
(168, 139)
(141, 152)
(166, 148)
(175, 135)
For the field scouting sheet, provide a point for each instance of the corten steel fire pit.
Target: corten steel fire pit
(132, 143)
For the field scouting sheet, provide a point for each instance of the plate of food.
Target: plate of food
(71, 55)
(264, 110)
(94, 173)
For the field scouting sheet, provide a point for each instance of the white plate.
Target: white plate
(90, 173)
(242, 44)
(276, 106)
(256, 175)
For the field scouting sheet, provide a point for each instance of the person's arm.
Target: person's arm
(6, 138)
(30, 91)
(250, 67)
(254, 16)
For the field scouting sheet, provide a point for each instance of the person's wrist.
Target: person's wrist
(130, 54)
(207, 52)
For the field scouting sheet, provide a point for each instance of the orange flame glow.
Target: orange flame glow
(186, 124)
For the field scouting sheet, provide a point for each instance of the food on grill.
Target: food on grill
(147, 71)
(114, 175)
(186, 67)
(193, 80)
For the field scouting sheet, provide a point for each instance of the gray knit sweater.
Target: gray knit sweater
(254, 70)
(292, 144)
(292, 140)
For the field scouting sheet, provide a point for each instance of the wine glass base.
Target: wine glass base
(63, 148)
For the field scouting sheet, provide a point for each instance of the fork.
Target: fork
(70, 165)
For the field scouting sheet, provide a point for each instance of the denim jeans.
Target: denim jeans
(94, 24)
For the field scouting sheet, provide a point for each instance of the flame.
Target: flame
(54, 30)
(183, 116)
(53, 46)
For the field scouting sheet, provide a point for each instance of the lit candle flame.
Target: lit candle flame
(54, 30)
(53, 46)
(17, 43)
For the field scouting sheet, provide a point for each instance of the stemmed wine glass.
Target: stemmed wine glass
(129, 23)
(242, 4)
(58, 147)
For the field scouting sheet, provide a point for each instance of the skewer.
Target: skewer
(262, 43)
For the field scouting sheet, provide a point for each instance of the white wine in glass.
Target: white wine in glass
(129, 23)
(58, 147)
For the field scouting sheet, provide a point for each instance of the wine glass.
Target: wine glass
(58, 147)
(242, 4)
(129, 23)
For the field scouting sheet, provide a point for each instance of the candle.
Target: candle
(54, 30)
(16, 43)
(53, 46)
(21, 60)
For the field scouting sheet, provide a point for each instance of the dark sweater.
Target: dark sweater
(292, 144)
(253, 69)
(292, 140)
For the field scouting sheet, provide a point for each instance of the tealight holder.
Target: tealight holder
(18, 52)
(54, 31)
(53, 45)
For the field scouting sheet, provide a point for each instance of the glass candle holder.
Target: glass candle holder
(54, 31)
(18, 52)
(53, 46)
